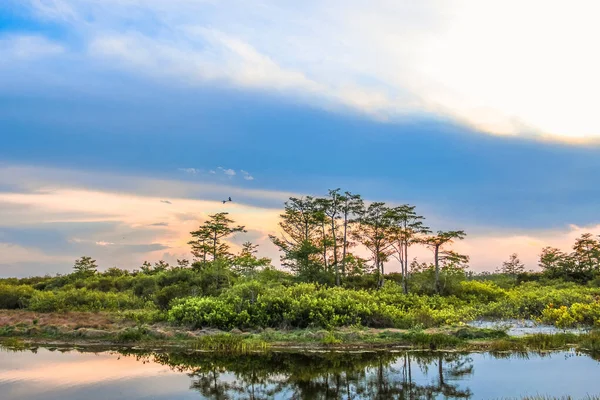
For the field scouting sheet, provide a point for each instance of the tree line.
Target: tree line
(339, 237)
(321, 237)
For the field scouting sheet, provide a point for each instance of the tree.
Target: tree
(374, 232)
(201, 245)
(513, 266)
(586, 256)
(146, 268)
(351, 206)
(161, 266)
(209, 238)
(85, 266)
(321, 218)
(335, 206)
(246, 263)
(408, 229)
(580, 265)
(299, 239)
(436, 243)
(552, 262)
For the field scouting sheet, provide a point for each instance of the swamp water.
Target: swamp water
(69, 374)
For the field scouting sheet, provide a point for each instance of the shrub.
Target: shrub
(14, 297)
(480, 291)
(82, 300)
(307, 305)
(205, 311)
(145, 286)
(569, 316)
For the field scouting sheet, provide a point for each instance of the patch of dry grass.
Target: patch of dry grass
(73, 320)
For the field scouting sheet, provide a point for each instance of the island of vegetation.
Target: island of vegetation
(326, 294)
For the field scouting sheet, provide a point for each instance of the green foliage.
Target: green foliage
(85, 266)
(513, 266)
(480, 291)
(208, 241)
(573, 315)
(131, 335)
(15, 297)
(229, 343)
(82, 300)
(468, 333)
(307, 305)
(581, 265)
(246, 263)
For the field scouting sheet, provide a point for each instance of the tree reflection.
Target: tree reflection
(376, 375)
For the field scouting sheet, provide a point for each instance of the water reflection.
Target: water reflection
(283, 375)
(323, 375)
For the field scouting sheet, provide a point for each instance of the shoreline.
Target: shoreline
(114, 331)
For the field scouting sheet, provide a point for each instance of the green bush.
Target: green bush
(82, 300)
(14, 297)
(575, 314)
(204, 311)
(481, 291)
(307, 305)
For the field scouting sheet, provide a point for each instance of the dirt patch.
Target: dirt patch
(67, 320)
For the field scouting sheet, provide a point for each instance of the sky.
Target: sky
(123, 123)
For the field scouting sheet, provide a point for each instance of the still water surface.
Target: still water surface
(70, 375)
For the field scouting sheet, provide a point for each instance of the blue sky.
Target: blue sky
(188, 101)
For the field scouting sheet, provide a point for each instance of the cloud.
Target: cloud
(13, 254)
(166, 202)
(27, 48)
(247, 175)
(227, 171)
(454, 59)
(487, 251)
(68, 219)
(192, 171)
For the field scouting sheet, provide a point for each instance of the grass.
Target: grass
(131, 328)
(229, 343)
(13, 344)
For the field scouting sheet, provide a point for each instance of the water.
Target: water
(515, 327)
(70, 375)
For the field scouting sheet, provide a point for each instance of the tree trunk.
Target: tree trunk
(441, 370)
(345, 244)
(410, 393)
(405, 276)
(437, 268)
(215, 247)
(324, 248)
(335, 255)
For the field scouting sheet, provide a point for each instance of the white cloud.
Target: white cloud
(247, 175)
(28, 47)
(68, 201)
(504, 67)
(192, 171)
(227, 171)
(65, 197)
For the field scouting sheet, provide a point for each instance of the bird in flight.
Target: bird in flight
(225, 201)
